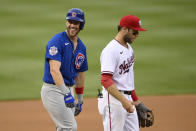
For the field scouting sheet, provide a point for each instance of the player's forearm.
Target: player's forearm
(59, 82)
(107, 82)
(79, 88)
(55, 72)
(128, 105)
(80, 80)
(57, 77)
(115, 93)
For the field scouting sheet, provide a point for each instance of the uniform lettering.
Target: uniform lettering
(124, 67)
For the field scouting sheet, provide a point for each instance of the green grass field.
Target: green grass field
(165, 54)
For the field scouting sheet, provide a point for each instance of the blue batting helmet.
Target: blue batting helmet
(77, 15)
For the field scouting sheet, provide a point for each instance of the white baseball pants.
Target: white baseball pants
(115, 117)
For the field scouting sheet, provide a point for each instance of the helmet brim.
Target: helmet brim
(74, 18)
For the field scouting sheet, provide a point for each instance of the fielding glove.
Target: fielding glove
(69, 100)
(145, 116)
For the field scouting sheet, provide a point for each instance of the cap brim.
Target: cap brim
(140, 29)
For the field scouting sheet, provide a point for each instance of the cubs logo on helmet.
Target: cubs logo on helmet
(79, 60)
(73, 14)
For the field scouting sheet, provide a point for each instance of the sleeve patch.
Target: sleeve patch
(53, 50)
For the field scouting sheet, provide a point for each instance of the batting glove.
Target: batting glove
(69, 100)
(78, 108)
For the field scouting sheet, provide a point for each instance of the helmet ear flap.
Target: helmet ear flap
(77, 15)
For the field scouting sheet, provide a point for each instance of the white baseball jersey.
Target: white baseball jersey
(119, 61)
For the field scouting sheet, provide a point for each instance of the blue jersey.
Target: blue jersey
(61, 48)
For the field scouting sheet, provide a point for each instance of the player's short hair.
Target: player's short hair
(119, 28)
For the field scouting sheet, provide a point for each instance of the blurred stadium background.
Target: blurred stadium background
(165, 54)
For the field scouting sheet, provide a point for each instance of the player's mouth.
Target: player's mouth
(73, 31)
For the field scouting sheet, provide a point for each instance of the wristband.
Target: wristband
(79, 90)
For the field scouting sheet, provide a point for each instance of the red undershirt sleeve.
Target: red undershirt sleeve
(134, 96)
(106, 80)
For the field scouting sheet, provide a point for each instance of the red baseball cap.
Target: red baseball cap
(132, 22)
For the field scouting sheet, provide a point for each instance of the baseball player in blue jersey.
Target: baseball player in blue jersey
(65, 64)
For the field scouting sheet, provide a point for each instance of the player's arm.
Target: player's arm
(107, 82)
(57, 76)
(80, 79)
(55, 72)
(58, 79)
(79, 87)
(135, 98)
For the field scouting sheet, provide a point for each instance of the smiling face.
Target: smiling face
(73, 28)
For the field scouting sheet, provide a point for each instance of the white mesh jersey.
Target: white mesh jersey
(119, 61)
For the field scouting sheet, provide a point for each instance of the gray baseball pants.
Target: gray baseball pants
(53, 101)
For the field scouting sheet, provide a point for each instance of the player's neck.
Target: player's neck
(121, 41)
(74, 39)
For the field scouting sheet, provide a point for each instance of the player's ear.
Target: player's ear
(125, 29)
(66, 23)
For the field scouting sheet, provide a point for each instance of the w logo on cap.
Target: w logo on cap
(140, 22)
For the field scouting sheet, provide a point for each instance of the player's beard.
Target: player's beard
(127, 38)
(72, 32)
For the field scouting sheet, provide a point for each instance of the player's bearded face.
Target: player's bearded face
(127, 38)
(130, 36)
(73, 28)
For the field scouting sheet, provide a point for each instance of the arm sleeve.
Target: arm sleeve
(106, 80)
(134, 96)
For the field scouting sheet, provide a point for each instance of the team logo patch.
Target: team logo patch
(79, 60)
(53, 50)
(73, 14)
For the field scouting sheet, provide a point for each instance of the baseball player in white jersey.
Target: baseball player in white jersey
(117, 106)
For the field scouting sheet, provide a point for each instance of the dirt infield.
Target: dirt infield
(172, 113)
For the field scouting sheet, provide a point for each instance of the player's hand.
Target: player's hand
(69, 100)
(78, 108)
(129, 106)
